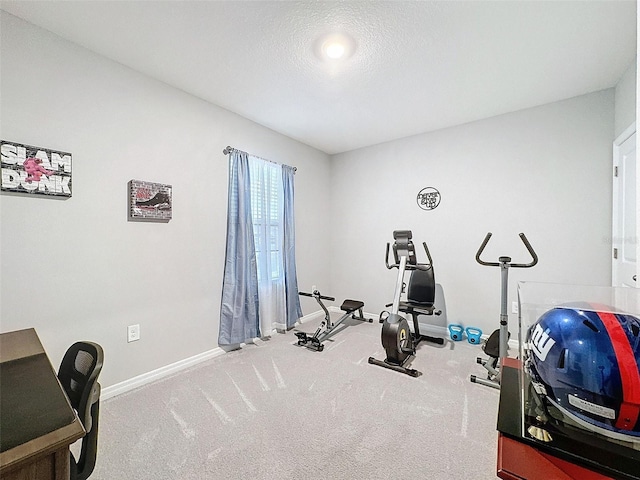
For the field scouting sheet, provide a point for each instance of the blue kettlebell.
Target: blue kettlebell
(456, 332)
(473, 335)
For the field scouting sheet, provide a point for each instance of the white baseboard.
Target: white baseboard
(162, 372)
(332, 309)
(154, 375)
(425, 328)
(435, 329)
(314, 315)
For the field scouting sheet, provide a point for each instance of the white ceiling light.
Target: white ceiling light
(333, 50)
(336, 46)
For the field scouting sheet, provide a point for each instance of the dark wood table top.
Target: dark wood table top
(35, 413)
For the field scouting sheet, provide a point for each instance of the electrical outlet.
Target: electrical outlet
(514, 307)
(133, 333)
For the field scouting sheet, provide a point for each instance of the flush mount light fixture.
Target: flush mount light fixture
(336, 46)
(333, 50)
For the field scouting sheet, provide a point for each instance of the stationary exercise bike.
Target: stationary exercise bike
(397, 339)
(497, 345)
(327, 328)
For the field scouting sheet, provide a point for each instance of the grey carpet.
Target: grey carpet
(277, 411)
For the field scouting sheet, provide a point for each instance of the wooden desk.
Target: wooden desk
(37, 423)
(579, 457)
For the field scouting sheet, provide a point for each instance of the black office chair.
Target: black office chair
(78, 375)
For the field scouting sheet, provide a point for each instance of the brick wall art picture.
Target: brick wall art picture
(35, 170)
(149, 201)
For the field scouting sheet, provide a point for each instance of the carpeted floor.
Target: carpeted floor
(278, 411)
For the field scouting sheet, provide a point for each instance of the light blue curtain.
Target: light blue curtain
(294, 311)
(239, 313)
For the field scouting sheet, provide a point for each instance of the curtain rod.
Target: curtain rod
(229, 149)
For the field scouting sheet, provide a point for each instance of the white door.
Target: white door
(625, 237)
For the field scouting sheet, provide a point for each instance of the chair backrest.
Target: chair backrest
(421, 289)
(78, 375)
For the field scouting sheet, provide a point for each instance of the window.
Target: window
(266, 214)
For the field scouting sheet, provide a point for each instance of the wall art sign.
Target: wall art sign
(36, 170)
(149, 201)
(428, 198)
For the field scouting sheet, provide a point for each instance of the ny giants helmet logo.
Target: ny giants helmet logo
(541, 342)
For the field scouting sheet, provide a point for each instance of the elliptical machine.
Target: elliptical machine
(497, 345)
(397, 339)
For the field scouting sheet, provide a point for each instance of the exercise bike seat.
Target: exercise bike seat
(421, 293)
(418, 308)
(492, 345)
(350, 306)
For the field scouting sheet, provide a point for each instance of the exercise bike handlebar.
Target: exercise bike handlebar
(534, 256)
(410, 266)
(316, 294)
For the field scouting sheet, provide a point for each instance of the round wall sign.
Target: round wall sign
(428, 198)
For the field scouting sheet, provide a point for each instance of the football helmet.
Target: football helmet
(585, 359)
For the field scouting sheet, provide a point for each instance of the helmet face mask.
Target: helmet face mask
(585, 361)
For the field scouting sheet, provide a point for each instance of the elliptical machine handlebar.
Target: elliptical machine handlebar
(534, 256)
(410, 266)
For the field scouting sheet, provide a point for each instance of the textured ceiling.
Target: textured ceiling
(418, 66)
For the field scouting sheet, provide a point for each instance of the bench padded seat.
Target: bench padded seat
(351, 305)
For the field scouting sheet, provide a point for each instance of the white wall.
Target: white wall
(76, 269)
(543, 171)
(626, 99)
